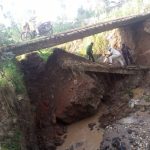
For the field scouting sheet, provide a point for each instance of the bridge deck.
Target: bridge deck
(96, 67)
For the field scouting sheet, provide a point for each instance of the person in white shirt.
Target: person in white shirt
(115, 55)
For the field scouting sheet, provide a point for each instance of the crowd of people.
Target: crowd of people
(122, 56)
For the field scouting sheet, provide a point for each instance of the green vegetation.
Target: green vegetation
(129, 92)
(12, 143)
(10, 74)
(45, 53)
(79, 46)
(9, 35)
(146, 98)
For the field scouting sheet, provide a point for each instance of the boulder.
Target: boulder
(76, 94)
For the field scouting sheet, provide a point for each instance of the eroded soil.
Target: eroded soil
(60, 98)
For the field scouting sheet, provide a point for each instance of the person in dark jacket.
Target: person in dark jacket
(89, 52)
(126, 54)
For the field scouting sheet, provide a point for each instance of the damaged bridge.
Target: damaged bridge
(101, 68)
(80, 64)
(57, 39)
(76, 63)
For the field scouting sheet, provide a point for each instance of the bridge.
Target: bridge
(73, 62)
(74, 34)
(104, 68)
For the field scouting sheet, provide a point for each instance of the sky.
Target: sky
(44, 9)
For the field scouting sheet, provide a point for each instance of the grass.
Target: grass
(10, 74)
(12, 143)
(45, 53)
(146, 98)
(129, 92)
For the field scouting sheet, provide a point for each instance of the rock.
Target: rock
(91, 125)
(77, 101)
(148, 147)
(65, 136)
(116, 142)
(122, 146)
(143, 109)
(131, 140)
(129, 131)
(50, 146)
(59, 141)
(106, 148)
(146, 25)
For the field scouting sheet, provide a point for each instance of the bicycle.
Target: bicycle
(44, 29)
(28, 35)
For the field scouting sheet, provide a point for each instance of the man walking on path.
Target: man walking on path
(126, 54)
(115, 55)
(89, 52)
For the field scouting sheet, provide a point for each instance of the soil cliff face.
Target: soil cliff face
(137, 37)
(142, 38)
(7, 112)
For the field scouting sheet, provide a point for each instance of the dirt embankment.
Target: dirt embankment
(7, 112)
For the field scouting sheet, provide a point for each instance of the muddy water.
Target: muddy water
(81, 137)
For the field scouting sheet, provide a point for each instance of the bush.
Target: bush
(12, 143)
(44, 54)
(10, 73)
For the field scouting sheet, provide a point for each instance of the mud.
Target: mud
(80, 136)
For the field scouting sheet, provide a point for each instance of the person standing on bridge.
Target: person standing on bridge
(126, 54)
(115, 55)
(89, 52)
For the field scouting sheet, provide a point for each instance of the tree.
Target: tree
(5, 36)
(84, 14)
